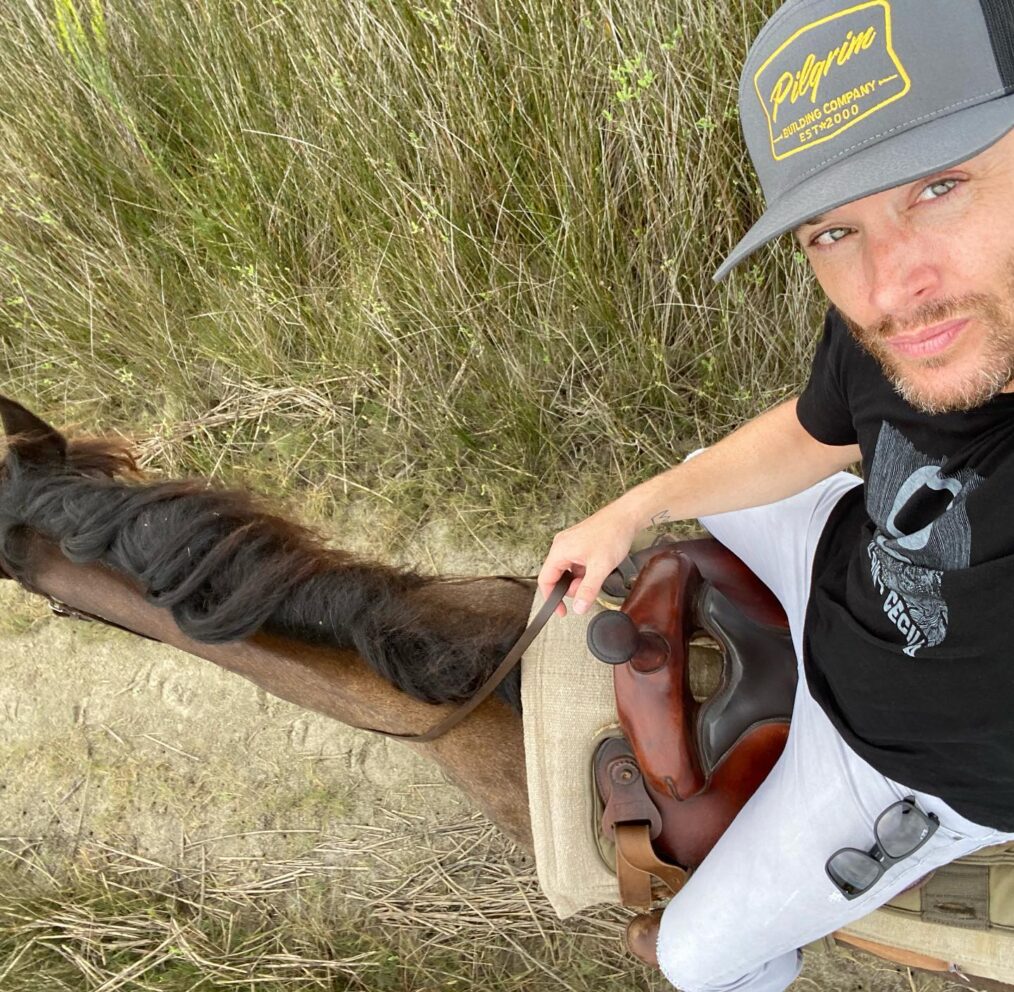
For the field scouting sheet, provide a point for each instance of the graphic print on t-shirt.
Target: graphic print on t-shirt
(922, 530)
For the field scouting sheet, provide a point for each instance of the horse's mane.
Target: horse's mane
(227, 567)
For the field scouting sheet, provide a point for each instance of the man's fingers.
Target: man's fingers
(588, 589)
(584, 586)
(551, 574)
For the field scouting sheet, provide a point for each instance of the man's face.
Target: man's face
(923, 275)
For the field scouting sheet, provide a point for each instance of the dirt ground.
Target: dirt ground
(113, 743)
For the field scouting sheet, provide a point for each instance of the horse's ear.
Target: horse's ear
(30, 441)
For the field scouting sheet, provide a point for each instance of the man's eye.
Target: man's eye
(830, 236)
(940, 188)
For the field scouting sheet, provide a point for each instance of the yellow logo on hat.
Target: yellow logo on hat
(828, 76)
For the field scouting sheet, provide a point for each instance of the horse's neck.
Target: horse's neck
(436, 638)
(484, 755)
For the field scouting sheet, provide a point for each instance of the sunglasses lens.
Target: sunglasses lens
(901, 829)
(853, 871)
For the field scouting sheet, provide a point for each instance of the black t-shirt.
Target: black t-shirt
(909, 631)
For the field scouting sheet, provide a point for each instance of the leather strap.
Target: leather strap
(63, 610)
(510, 660)
(911, 959)
(636, 863)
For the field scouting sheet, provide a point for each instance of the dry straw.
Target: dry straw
(382, 907)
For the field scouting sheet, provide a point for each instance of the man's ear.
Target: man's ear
(30, 441)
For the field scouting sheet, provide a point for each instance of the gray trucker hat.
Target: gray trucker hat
(839, 100)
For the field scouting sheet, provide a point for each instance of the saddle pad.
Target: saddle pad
(984, 953)
(965, 914)
(567, 698)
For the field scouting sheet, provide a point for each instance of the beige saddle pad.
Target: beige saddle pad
(568, 701)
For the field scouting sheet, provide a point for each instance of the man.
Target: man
(883, 136)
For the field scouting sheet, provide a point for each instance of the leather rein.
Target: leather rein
(438, 729)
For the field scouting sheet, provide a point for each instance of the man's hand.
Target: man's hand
(590, 550)
(768, 458)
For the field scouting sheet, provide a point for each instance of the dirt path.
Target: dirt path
(113, 742)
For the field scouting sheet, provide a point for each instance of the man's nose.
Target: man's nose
(901, 269)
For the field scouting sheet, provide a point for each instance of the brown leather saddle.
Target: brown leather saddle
(685, 766)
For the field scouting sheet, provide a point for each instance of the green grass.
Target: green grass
(443, 259)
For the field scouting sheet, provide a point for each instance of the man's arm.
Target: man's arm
(767, 459)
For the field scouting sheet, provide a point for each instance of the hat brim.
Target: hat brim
(902, 158)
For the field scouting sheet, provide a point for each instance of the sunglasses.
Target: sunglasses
(899, 831)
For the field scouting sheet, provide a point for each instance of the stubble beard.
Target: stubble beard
(967, 389)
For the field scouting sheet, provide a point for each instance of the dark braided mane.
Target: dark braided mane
(226, 568)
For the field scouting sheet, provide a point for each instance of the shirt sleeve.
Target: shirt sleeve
(823, 407)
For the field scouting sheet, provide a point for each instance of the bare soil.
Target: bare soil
(111, 743)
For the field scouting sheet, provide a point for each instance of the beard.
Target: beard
(939, 384)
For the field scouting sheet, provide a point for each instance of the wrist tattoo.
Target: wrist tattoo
(660, 518)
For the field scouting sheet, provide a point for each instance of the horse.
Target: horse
(215, 573)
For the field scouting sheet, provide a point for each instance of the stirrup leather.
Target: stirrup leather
(637, 864)
(632, 819)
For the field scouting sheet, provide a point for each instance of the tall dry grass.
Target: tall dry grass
(442, 258)
(461, 911)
